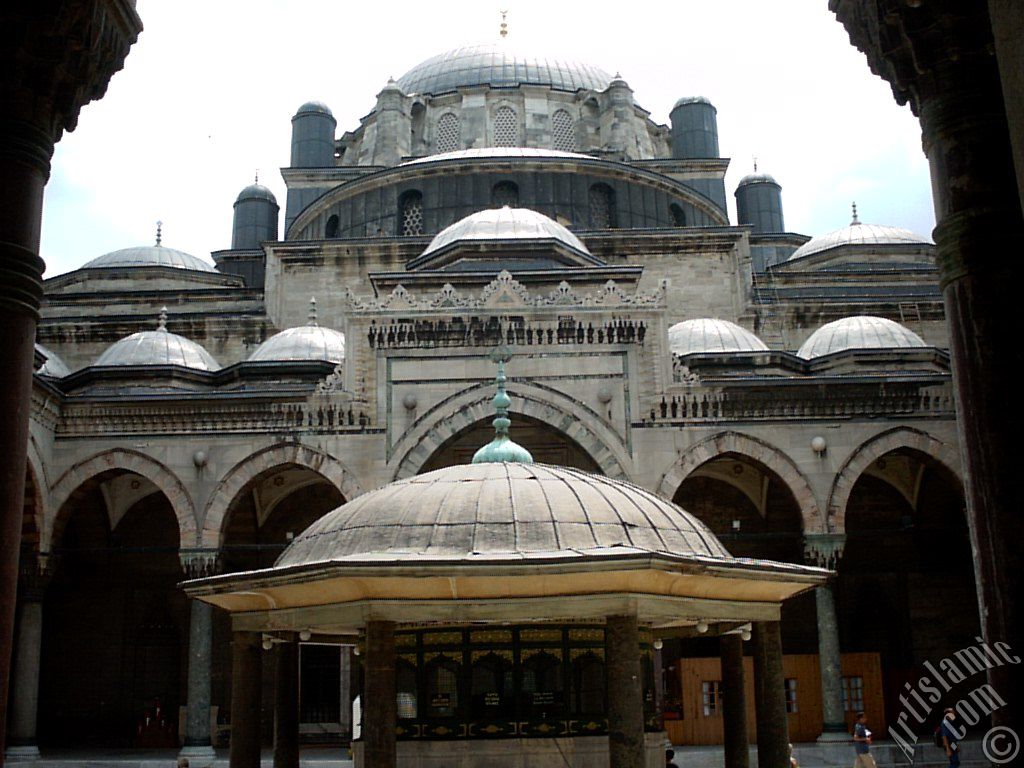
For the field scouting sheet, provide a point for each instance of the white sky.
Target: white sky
(207, 94)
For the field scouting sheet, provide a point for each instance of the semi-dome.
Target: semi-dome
(505, 224)
(304, 342)
(502, 511)
(711, 335)
(859, 332)
(480, 153)
(149, 256)
(314, 108)
(495, 65)
(858, 233)
(159, 347)
(256, 191)
(53, 366)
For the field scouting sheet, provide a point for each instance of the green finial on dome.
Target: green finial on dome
(502, 448)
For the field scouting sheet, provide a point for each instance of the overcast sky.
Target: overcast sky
(208, 91)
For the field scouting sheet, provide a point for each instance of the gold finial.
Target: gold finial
(312, 311)
(504, 25)
(161, 324)
(159, 226)
(855, 219)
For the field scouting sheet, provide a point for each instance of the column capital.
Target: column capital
(824, 550)
(35, 571)
(200, 563)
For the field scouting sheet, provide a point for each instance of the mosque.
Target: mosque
(291, 432)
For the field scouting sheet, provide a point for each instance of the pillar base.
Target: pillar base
(27, 752)
(197, 752)
(834, 733)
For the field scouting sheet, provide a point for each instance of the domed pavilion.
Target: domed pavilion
(506, 612)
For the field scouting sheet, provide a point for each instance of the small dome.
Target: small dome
(859, 332)
(758, 178)
(256, 192)
(149, 256)
(711, 335)
(159, 347)
(494, 65)
(505, 224)
(314, 108)
(483, 153)
(692, 100)
(859, 234)
(53, 366)
(306, 342)
(502, 511)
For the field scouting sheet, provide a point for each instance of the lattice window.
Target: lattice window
(449, 133)
(505, 193)
(563, 131)
(791, 706)
(602, 207)
(853, 694)
(411, 214)
(506, 127)
(711, 697)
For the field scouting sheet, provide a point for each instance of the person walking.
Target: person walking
(950, 739)
(862, 743)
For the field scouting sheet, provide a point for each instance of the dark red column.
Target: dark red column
(380, 712)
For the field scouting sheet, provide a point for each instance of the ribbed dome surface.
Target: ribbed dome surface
(306, 342)
(53, 366)
(479, 512)
(860, 234)
(505, 224)
(159, 347)
(150, 256)
(860, 332)
(495, 65)
(711, 335)
(479, 153)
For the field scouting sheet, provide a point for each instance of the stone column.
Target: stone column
(734, 702)
(346, 689)
(825, 551)
(770, 696)
(54, 60)
(286, 704)
(625, 693)
(380, 711)
(21, 737)
(246, 687)
(938, 56)
(198, 743)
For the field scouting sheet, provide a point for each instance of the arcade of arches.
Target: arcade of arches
(904, 593)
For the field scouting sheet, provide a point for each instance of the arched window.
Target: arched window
(602, 207)
(678, 215)
(405, 688)
(449, 133)
(331, 230)
(542, 685)
(417, 139)
(563, 131)
(588, 684)
(505, 193)
(492, 685)
(506, 127)
(442, 683)
(410, 213)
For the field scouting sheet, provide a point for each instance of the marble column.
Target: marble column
(770, 696)
(346, 689)
(825, 551)
(21, 736)
(734, 702)
(246, 704)
(625, 693)
(286, 704)
(942, 58)
(380, 711)
(198, 742)
(53, 63)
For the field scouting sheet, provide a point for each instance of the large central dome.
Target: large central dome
(496, 65)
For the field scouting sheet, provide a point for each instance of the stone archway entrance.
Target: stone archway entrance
(546, 444)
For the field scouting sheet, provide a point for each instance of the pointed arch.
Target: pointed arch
(871, 450)
(240, 475)
(125, 460)
(753, 448)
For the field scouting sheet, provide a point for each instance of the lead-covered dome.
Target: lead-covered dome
(484, 153)
(256, 191)
(149, 256)
(159, 347)
(304, 342)
(857, 233)
(53, 366)
(712, 335)
(505, 224)
(496, 65)
(502, 511)
(859, 332)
